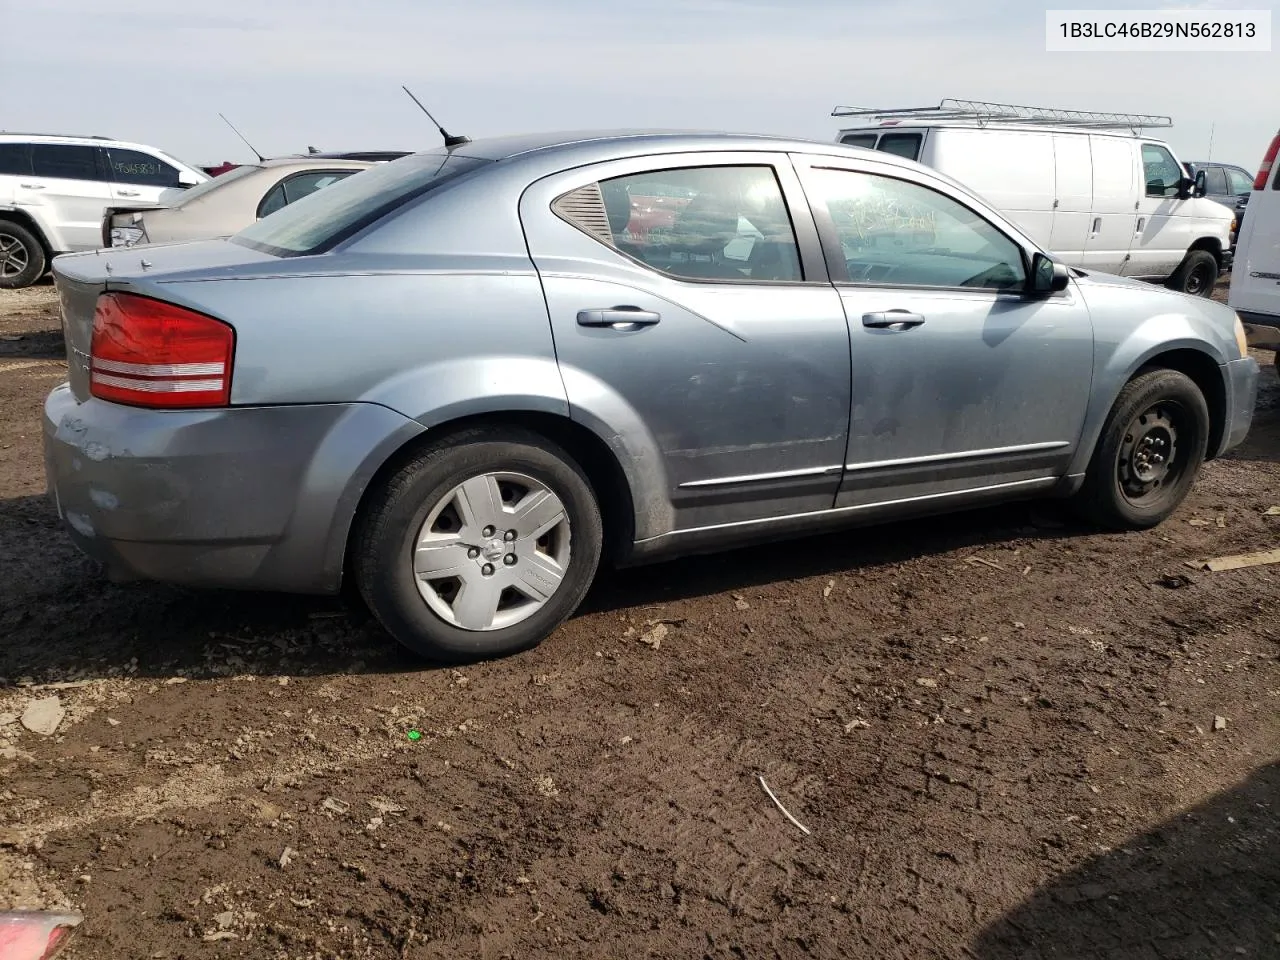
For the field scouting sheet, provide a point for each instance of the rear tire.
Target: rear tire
(22, 258)
(1149, 452)
(480, 546)
(1197, 275)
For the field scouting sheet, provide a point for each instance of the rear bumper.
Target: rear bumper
(1242, 396)
(246, 497)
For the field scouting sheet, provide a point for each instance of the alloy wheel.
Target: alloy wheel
(14, 256)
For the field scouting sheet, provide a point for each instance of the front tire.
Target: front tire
(480, 546)
(1196, 275)
(1149, 452)
(22, 259)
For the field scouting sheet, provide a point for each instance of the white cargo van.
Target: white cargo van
(1255, 281)
(1086, 186)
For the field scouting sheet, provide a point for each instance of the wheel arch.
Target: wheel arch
(1206, 374)
(25, 220)
(1211, 245)
(608, 479)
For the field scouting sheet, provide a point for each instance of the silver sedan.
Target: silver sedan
(465, 378)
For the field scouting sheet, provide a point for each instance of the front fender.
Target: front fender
(1116, 363)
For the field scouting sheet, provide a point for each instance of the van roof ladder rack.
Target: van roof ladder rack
(1003, 113)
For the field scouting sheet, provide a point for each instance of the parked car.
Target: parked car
(1226, 184)
(459, 380)
(1081, 185)
(1255, 283)
(54, 189)
(226, 204)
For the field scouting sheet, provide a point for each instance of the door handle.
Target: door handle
(1142, 222)
(1097, 227)
(902, 319)
(127, 193)
(618, 318)
(32, 186)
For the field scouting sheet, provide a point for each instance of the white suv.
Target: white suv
(1255, 282)
(54, 190)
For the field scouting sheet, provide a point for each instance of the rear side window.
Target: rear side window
(867, 140)
(696, 223)
(319, 222)
(901, 145)
(65, 161)
(15, 159)
(133, 166)
(292, 189)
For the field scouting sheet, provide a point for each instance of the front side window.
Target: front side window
(1215, 181)
(294, 188)
(1160, 171)
(897, 233)
(905, 145)
(696, 223)
(133, 166)
(64, 161)
(1238, 182)
(327, 217)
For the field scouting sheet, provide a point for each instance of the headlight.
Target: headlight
(1242, 341)
(125, 236)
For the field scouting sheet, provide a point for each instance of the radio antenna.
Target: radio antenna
(261, 158)
(450, 141)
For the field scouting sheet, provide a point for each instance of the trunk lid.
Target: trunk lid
(81, 277)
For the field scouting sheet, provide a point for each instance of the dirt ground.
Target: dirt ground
(1006, 736)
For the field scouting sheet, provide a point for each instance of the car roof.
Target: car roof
(328, 163)
(590, 146)
(911, 125)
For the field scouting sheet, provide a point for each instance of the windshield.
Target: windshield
(319, 221)
(213, 183)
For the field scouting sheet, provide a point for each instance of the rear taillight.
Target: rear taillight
(34, 934)
(148, 353)
(1268, 162)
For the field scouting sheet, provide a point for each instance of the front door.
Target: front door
(688, 300)
(960, 382)
(139, 179)
(1163, 231)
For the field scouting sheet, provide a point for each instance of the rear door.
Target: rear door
(1115, 196)
(67, 193)
(1255, 278)
(1073, 198)
(718, 333)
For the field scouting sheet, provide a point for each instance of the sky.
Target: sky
(327, 73)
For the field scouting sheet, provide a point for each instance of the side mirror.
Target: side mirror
(1048, 276)
(1185, 187)
(1200, 184)
(186, 179)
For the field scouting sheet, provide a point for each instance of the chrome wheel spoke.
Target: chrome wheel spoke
(537, 514)
(536, 575)
(438, 557)
(477, 601)
(479, 503)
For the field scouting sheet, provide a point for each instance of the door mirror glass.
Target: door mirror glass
(1200, 184)
(1047, 275)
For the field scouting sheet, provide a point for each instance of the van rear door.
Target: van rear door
(1255, 277)
(1111, 227)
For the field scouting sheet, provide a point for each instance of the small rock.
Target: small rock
(43, 716)
(926, 682)
(546, 786)
(853, 725)
(383, 805)
(826, 591)
(1219, 723)
(173, 680)
(654, 637)
(1198, 523)
(286, 858)
(1080, 631)
(8, 718)
(113, 721)
(334, 805)
(740, 602)
(1273, 512)
(221, 935)
(1019, 625)
(625, 741)
(225, 919)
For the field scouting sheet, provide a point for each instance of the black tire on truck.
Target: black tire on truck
(22, 257)
(1196, 275)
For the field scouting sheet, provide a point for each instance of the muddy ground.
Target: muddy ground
(1006, 735)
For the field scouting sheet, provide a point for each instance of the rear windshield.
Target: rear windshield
(214, 183)
(318, 222)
